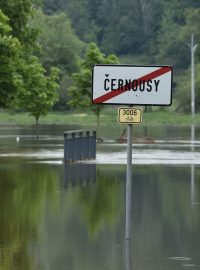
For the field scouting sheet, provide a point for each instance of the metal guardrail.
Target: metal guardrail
(79, 145)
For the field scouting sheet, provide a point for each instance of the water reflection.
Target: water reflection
(82, 227)
(22, 199)
(101, 203)
(193, 190)
(128, 255)
(192, 166)
(79, 174)
(79, 223)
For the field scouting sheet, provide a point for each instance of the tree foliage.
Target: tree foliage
(132, 27)
(174, 47)
(137, 31)
(59, 45)
(36, 91)
(61, 48)
(23, 80)
(19, 13)
(140, 32)
(80, 91)
(9, 55)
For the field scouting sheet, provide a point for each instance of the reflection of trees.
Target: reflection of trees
(70, 241)
(101, 203)
(23, 191)
(163, 214)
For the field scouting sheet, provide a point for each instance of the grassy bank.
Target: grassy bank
(108, 116)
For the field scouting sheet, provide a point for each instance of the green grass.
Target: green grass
(108, 117)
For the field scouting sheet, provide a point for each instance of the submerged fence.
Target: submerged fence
(79, 145)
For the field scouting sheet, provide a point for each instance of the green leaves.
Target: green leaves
(4, 27)
(18, 13)
(24, 82)
(36, 91)
(80, 92)
(15, 46)
(59, 44)
(9, 54)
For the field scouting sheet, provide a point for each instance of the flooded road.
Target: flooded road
(72, 217)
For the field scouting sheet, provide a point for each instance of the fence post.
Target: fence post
(92, 145)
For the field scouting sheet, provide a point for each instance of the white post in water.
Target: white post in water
(193, 49)
(128, 181)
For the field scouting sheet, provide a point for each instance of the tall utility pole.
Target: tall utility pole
(193, 49)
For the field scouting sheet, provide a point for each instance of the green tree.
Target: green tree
(80, 91)
(125, 26)
(170, 46)
(81, 14)
(37, 91)
(9, 54)
(183, 89)
(25, 78)
(183, 92)
(58, 48)
(192, 21)
(19, 13)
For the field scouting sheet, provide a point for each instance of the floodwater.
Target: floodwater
(72, 217)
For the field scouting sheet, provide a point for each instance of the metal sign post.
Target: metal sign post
(129, 116)
(128, 181)
(131, 85)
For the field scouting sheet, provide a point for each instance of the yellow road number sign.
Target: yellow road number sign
(130, 115)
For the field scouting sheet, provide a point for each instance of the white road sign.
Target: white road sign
(132, 85)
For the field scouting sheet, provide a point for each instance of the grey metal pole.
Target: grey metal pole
(193, 48)
(128, 181)
(192, 166)
(192, 185)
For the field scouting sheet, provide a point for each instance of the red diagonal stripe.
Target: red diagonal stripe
(123, 89)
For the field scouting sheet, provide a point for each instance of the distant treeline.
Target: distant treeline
(56, 33)
(147, 28)
(140, 32)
